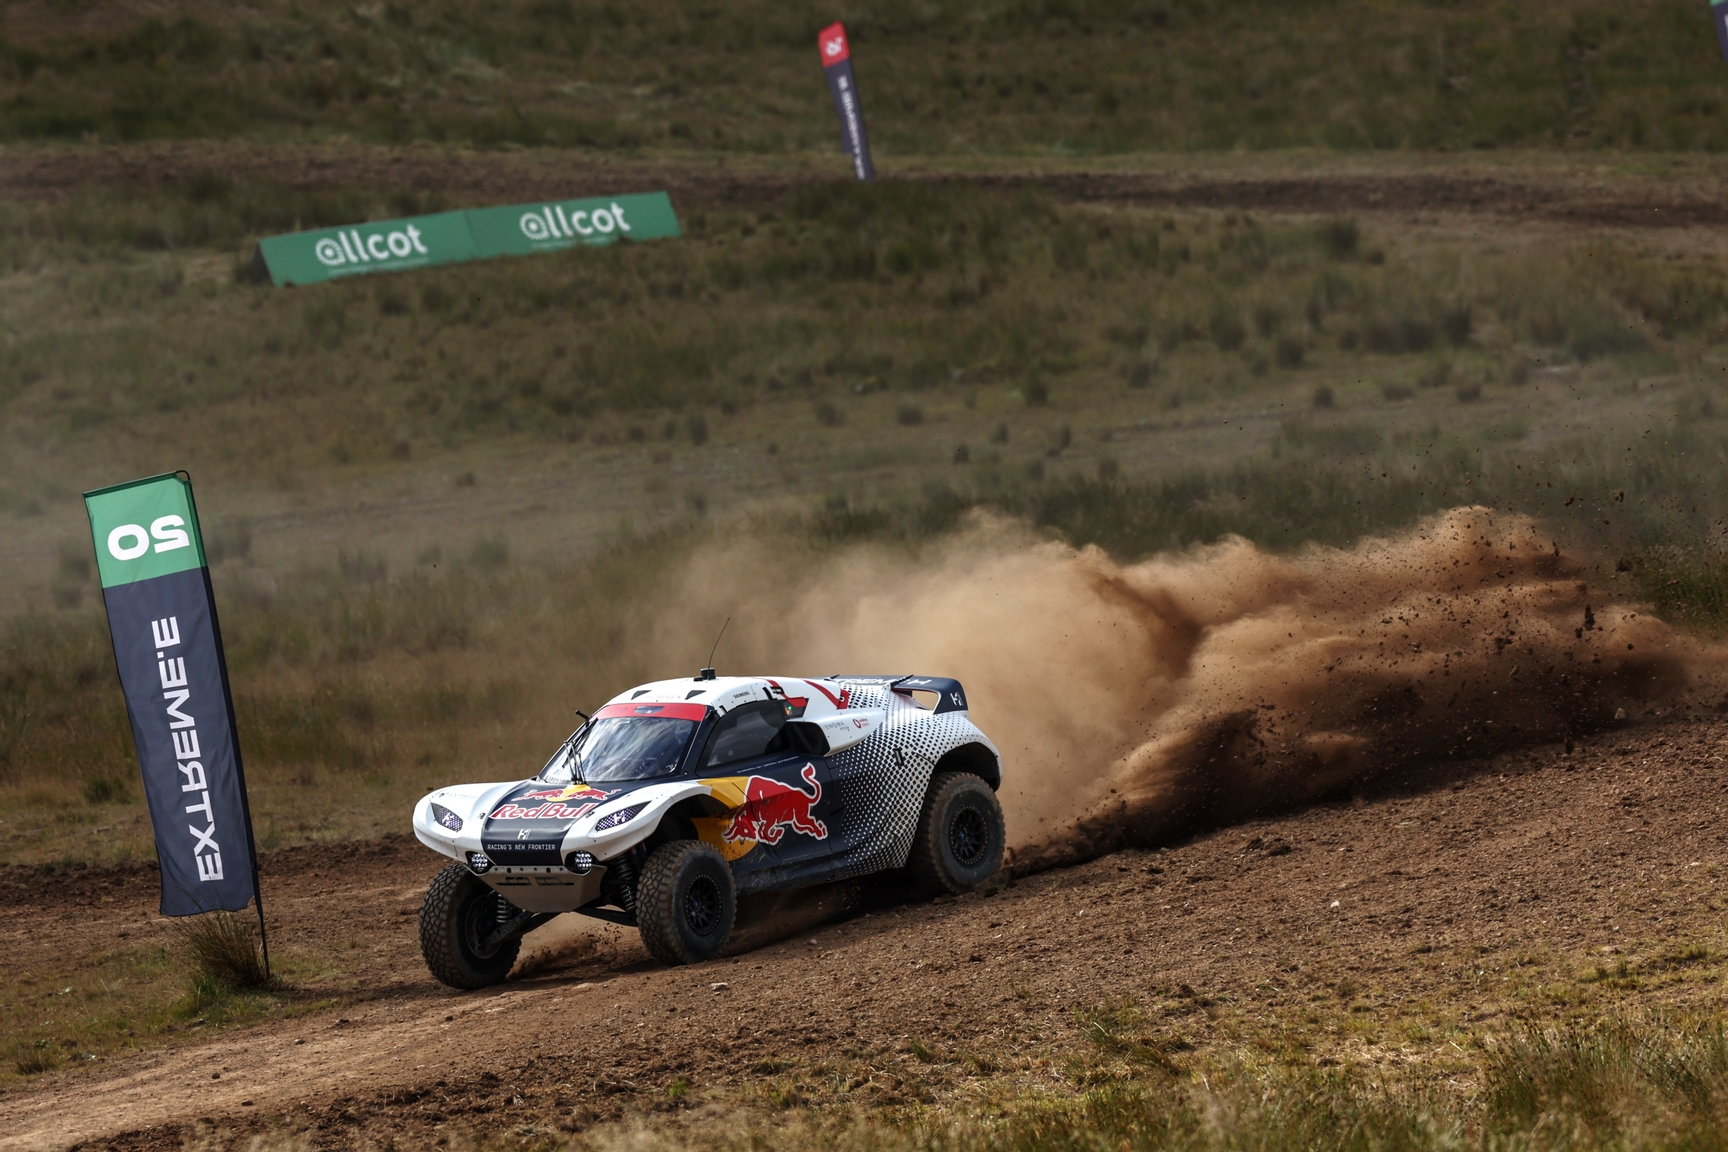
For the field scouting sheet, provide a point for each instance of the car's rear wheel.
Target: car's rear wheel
(459, 913)
(685, 902)
(961, 835)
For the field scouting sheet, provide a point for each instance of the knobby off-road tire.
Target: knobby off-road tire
(458, 912)
(685, 902)
(960, 837)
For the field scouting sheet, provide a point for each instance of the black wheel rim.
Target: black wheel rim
(702, 906)
(480, 920)
(969, 837)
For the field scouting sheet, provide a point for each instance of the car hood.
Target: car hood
(526, 823)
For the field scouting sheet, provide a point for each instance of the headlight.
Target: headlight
(479, 863)
(580, 863)
(446, 817)
(622, 816)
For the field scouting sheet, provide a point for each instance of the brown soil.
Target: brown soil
(1509, 190)
(1538, 851)
(1515, 196)
(468, 178)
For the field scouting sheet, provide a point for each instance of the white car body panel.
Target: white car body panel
(882, 748)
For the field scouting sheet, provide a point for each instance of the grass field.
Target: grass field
(416, 487)
(1010, 75)
(446, 508)
(844, 331)
(1625, 1083)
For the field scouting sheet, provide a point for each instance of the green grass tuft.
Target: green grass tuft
(1617, 1079)
(34, 1059)
(223, 951)
(106, 790)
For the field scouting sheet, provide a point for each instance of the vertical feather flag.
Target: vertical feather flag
(168, 649)
(843, 86)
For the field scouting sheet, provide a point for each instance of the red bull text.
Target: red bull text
(552, 811)
(586, 799)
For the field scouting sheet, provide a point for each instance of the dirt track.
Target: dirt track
(1620, 844)
(1692, 198)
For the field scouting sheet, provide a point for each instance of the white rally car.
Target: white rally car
(680, 795)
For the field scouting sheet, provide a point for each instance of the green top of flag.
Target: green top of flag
(144, 528)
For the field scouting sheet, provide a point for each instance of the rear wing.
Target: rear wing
(950, 696)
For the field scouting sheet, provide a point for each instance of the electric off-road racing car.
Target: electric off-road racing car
(679, 796)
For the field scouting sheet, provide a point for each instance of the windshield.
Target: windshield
(621, 748)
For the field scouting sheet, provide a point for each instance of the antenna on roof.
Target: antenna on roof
(708, 672)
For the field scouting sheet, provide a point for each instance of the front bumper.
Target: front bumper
(546, 889)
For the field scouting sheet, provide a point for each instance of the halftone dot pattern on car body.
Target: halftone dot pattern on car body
(880, 785)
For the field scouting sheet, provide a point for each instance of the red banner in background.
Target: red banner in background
(832, 41)
(836, 53)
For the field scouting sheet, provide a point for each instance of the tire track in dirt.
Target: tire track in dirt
(1621, 844)
(473, 178)
(1569, 202)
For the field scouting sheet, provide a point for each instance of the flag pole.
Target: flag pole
(234, 727)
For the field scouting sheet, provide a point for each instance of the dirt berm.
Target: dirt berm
(1539, 857)
(1524, 190)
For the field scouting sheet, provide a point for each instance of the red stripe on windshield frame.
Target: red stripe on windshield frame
(675, 711)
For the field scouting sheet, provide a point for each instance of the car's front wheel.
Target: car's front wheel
(685, 902)
(458, 916)
(960, 837)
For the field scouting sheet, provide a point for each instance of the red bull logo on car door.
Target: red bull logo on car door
(766, 811)
(770, 808)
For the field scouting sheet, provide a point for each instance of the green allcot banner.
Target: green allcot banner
(449, 237)
(524, 228)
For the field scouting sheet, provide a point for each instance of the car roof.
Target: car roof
(724, 693)
(808, 698)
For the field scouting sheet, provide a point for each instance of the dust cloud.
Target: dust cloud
(1134, 703)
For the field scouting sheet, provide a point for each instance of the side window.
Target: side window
(746, 733)
(805, 739)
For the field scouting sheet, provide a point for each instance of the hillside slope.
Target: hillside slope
(936, 78)
(1392, 927)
